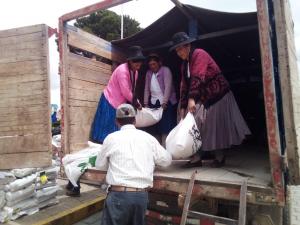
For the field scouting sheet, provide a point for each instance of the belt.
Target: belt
(126, 189)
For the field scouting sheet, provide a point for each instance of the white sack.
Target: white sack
(82, 154)
(49, 183)
(6, 177)
(3, 216)
(56, 140)
(48, 202)
(76, 164)
(17, 196)
(22, 205)
(184, 140)
(23, 172)
(148, 117)
(13, 215)
(2, 199)
(46, 193)
(20, 183)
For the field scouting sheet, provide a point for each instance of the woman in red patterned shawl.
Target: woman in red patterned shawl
(206, 93)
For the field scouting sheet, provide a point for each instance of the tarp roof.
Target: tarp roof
(161, 31)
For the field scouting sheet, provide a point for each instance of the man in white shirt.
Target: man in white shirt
(129, 156)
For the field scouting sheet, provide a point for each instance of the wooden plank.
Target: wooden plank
(25, 67)
(20, 54)
(22, 30)
(270, 99)
(84, 62)
(25, 160)
(39, 92)
(30, 128)
(83, 95)
(21, 144)
(91, 43)
(243, 203)
(20, 45)
(80, 133)
(24, 78)
(88, 75)
(85, 85)
(21, 119)
(22, 58)
(83, 103)
(78, 142)
(90, 9)
(25, 38)
(82, 115)
(290, 87)
(23, 101)
(64, 88)
(213, 218)
(24, 86)
(188, 199)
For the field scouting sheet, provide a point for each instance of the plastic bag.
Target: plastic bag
(76, 164)
(2, 199)
(21, 183)
(17, 196)
(184, 140)
(23, 172)
(148, 117)
(46, 193)
(6, 177)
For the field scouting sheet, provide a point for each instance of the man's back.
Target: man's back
(132, 155)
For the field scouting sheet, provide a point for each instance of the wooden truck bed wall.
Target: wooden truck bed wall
(25, 126)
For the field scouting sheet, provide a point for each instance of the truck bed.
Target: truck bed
(249, 163)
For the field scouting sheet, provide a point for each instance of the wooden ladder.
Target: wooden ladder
(198, 215)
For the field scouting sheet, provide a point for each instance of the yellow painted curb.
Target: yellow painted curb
(75, 214)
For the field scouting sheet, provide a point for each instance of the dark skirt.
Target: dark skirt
(104, 121)
(167, 122)
(221, 125)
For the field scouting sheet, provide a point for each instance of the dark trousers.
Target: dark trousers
(125, 208)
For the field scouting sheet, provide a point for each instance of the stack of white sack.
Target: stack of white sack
(5, 178)
(56, 148)
(20, 194)
(46, 188)
(185, 139)
(148, 117)
(77, 163)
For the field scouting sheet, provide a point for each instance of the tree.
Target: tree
(107, 25)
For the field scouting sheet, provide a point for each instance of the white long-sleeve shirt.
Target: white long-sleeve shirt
(129, 156)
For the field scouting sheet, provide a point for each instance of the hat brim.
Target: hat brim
(190, 40)
(136, 58)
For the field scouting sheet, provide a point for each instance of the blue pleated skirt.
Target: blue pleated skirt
(104, 121)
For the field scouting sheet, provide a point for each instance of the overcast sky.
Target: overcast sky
(18, 13)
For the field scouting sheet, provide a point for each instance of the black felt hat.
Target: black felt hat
(179, 39)
(135, 54)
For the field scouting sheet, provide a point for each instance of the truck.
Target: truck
(256, 51)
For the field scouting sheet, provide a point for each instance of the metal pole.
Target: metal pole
(122, 22)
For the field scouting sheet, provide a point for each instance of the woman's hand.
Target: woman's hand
(182, 113)
(191, 105)
(164, 106)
